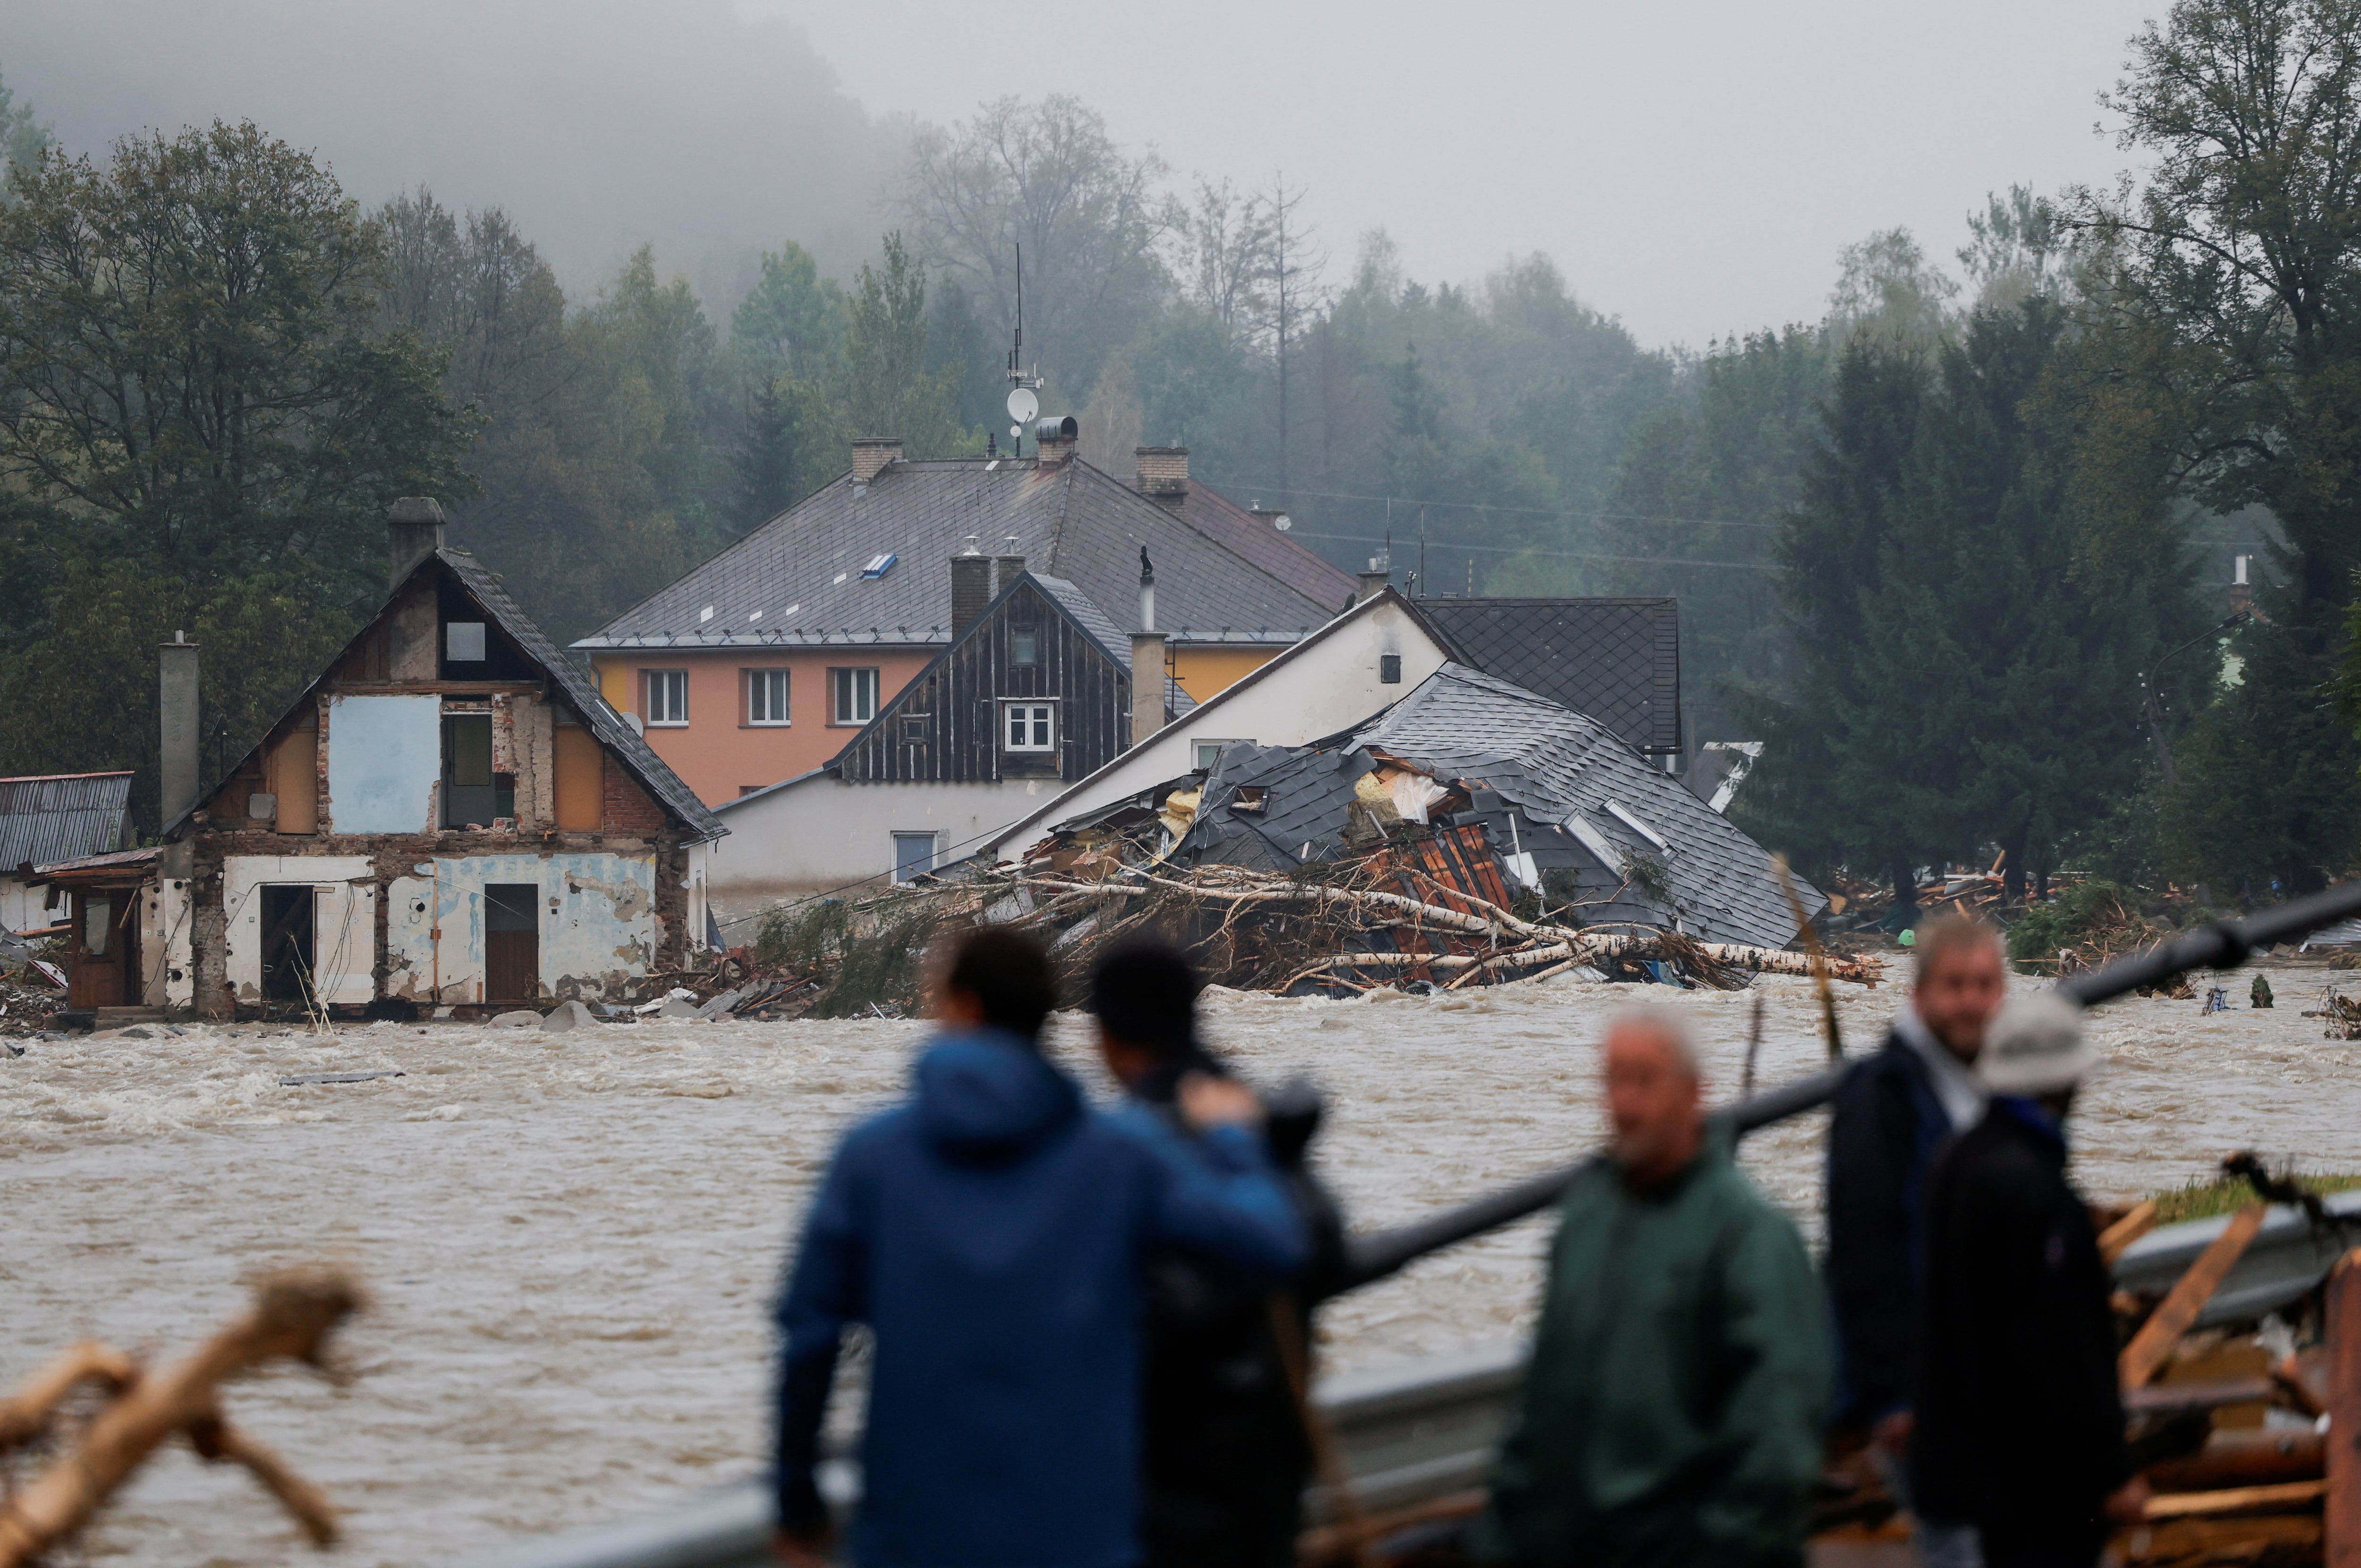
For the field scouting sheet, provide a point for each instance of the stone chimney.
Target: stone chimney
(1006, 566)
(871, 453)
(1373, 583)
(1163, 475)
(971, 586)
(1054, 438)
(414, 530)
(183, 731)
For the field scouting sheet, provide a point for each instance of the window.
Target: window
(1024, 645)
(1030, 726)
(1389, 669)
(1209, 754)
(855, 696)
(914, 855)
(463, 642)
(914, 727)
(766, 696)
(667, 697)
(473, 795)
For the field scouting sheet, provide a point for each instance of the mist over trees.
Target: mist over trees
(1925, 545)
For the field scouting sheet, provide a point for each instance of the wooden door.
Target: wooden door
(99, 951)
(512, 942)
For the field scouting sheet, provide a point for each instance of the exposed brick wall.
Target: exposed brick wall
(628, 807)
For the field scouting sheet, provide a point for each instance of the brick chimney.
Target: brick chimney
(414, 530)
(1163, 475)
(971, 586)
(1055, 437)
(1006, 566)
(871, 453)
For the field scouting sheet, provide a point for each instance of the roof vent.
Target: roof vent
(879, 565)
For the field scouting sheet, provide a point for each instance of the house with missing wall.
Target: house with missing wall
(55, 817)
(761, 664)
(448, 816)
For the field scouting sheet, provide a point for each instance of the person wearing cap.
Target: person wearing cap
(1894, 1109)
(2019, 1428)
(1671, 1415)
(1225, 1455)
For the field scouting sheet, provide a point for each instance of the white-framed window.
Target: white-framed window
(1028, 726)
(914, 855)
(1208, 753)
(766, 696)
(853, 695)
(667, 697)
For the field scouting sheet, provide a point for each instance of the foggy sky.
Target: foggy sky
(1694, 166)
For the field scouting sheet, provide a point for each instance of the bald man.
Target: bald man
(1672, 1412)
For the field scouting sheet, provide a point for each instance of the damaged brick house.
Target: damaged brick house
(449, 816)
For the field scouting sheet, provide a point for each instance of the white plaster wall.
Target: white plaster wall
(168, 977)
(385, 757)
(819, 833)
(343, 915)
(25, 908)
(596, 914)
(1327, 683)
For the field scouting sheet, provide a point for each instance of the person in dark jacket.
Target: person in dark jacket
(1895, 1109)
(1671, 1417)
(1226, 1453)
(992, 1231)
(2019, 1425)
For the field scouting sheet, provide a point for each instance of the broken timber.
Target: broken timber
(292, 1318)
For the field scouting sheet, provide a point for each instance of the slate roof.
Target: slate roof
(1618, 660)
(62, 816)
(798, 580)
(653, 774)
(1544, 780)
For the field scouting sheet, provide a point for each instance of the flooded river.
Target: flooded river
(574, 1240)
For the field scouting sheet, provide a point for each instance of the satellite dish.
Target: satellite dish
(1017, 431)
(1023, 405)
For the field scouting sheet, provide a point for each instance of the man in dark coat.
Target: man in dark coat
(1896, 1108)
(993, 1232)
(1671, 1415)
(2019, 1428)
(1226, 1453)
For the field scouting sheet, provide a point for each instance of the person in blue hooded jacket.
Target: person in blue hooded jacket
(992, 1231)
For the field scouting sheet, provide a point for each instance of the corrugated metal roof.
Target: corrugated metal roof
(796, 582)
(60, 817)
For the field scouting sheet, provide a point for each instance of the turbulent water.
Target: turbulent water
(573, 1240)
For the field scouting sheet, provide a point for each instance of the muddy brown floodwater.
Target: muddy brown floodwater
(574, 1239)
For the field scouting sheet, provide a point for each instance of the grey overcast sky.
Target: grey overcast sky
(1693, 165)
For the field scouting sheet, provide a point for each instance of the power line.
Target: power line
(1553, 554)
(1487, 506)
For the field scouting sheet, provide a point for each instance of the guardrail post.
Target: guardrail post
(2344, 1413)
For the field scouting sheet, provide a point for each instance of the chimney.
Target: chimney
(2242, 593)
(1054, 438)
(1163, 475)
(176, 698)
(1147, 685)
(414, 532)
(1275, 516)
(871, 453)
(1147, 591)
(1006, 566)
(1373, 583)
(971, 586)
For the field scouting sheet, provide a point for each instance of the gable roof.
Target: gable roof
(621, 741)
(1567, 769)
(798, 580)
(62, 816)
(1617, 660)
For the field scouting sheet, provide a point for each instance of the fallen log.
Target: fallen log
(292, 1316)
(26, 1414)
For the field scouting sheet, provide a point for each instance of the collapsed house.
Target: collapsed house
(55, 817)
(448, 816)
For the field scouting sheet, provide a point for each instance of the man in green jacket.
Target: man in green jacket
(1671, 1414)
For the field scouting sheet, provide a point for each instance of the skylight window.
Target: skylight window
(879, 565)
(1664, 845)
(705, 615)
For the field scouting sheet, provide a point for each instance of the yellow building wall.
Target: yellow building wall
(1205, 673)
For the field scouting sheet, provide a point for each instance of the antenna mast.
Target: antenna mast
(1022, 402)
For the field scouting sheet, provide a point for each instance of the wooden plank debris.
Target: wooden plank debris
(2117, 1238)
(2150, 1348)
(2285, 1497)
(2344, 1335)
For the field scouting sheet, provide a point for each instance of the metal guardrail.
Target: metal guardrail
(2288, 1256)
